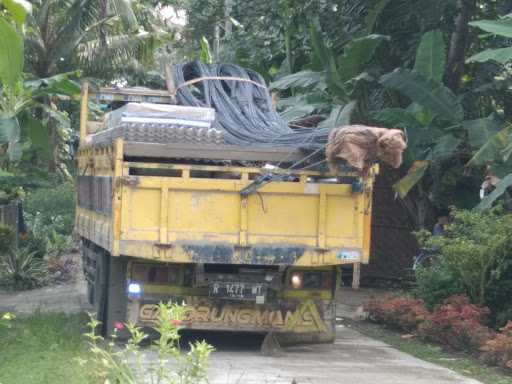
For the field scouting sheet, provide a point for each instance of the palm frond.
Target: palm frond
(119, 50)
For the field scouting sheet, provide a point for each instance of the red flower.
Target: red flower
(176, 322)
(118, 325)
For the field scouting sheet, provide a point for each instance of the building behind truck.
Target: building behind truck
(171, 208)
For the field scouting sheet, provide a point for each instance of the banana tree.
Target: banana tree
(20, 98)
(496, 151)
(12, 17)
(331, 85)
(439, 136)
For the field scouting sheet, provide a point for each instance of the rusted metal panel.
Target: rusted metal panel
(95, 193)
(224, 253)
(9, 214)
(212, 152)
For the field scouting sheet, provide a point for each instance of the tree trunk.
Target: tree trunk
(103, 16)
(459, 42)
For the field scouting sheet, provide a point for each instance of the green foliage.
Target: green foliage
(54, 206)
(111, 364)
(500, 55)
(431, 95)
(474, 257)
(336, 83)
(7, 238)
(43, 348)
(20, 269)
(491, 151)
(501, 27)
(357, 54)
(430, 57)
(206, 54)
(500, 189)
(413, 176)
(435, 283)
(19, 9)
(50, 214)
(11, 53)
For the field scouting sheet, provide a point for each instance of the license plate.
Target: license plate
(240, 291)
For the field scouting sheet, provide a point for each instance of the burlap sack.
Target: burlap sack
(361, 146)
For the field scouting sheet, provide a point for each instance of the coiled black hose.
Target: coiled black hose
(244, 110)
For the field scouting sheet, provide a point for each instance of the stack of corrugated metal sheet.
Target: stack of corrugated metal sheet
(159, 123)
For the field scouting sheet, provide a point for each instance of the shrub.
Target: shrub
(61, 270)
(435, 283)
(7, 238)
(457, 323)
(498, 351)
(112, 364)
(19, 269)
(53, 207)
(474, 258)
(405, 313)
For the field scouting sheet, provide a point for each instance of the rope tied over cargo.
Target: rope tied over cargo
(225, 78)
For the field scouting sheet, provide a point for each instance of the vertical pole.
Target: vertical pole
(116, 196)
(169, 81)
(216, 43)
(356, 276)
(83, 112)
(227, 16)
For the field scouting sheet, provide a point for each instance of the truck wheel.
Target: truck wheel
(107, 289)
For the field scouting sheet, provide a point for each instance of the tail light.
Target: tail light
(296, 280)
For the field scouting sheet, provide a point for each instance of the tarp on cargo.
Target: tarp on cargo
(361, 146)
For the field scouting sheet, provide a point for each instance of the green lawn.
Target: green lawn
(461, 363)
(43, 349)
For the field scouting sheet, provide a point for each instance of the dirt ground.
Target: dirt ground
(69, 297)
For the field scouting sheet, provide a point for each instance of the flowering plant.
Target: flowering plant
(163, 362)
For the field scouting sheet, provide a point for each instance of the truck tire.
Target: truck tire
(116, 296)
(107, 287)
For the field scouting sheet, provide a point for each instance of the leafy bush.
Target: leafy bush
(7, 238)
(20, 269)
(50, 218)
(52, 207)
(112, 364)
(61, 270)
(498, 351)
(401, 312)
(435, 283)
(474, 258)
(457, 323)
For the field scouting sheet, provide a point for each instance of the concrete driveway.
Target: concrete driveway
(353, 358)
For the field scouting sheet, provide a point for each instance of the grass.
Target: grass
(43, 348)
(461, 363)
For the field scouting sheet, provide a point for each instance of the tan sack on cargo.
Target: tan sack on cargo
(360, 146)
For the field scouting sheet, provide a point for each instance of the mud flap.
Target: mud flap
(108, 289)
(271, 346)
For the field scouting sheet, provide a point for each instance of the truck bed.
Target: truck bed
(157, 202)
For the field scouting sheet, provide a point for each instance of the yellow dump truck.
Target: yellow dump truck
(180, 222)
